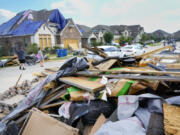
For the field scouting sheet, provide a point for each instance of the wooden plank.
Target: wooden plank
(106, 65)
(83, 83)
(175, 66)
(154, 51)
(171, 119)
(58, 95)
(144, 77)
(52, 105)
(139, 72)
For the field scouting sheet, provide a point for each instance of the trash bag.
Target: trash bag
(9, 129)
(89, 112)
(173, 100)
(70, 67)
(141, 106)
(156, 125)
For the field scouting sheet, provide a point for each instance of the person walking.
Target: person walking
(21, 58)
(41, 57)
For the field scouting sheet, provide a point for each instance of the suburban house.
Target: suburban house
(45, 28)
(96, 33)
(88, 36)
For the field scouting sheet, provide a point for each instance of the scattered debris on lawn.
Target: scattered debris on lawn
(132, 95)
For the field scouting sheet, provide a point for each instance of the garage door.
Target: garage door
(73, 43)
(116, 40)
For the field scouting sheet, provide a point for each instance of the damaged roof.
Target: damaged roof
(85, 30)
(27, 22)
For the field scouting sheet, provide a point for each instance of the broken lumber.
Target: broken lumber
(83, 83)
(171, 119)
(144, 77)
(138, 72)
(154, 51)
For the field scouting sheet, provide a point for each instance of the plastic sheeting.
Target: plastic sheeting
(141, 106)
(173, 100)
(70, 67)
(89, 112)
(28, 27)
(130, 126)
(58, 18)
(5, 28)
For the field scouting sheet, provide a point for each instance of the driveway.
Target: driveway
(10, 75)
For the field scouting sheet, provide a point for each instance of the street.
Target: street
(10, 75)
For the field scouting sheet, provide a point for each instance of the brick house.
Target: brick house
(45, 28)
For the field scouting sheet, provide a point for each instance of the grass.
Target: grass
(54, 57)
(155, 44)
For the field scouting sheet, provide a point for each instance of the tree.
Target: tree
(33, 48)
(123, 40)
(108, 37)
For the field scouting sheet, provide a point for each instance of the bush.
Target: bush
(33, 48)
(123, 40)
(96, 43)
(53, 50)
(2, 51)
(46, 50)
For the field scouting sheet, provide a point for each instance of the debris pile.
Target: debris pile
(133, 95)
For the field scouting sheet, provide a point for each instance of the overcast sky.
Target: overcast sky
(151, 14)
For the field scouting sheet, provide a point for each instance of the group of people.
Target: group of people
(22, 58)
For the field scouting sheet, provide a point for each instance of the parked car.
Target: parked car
(132, 50)
(111, 51)
(150, 42)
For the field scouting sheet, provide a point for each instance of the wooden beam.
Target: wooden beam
(144, 77)
(83, 83)
(139, 72)
(154, 51)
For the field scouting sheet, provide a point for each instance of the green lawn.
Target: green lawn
(54, 57)
(155, 44)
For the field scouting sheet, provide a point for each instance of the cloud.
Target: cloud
(6, 14)
(119, 7)
(151, 14)
(73, 7)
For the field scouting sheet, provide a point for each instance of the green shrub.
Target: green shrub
(53, 50)
(33, 48)
(108, 37)
(2, 51)
(94, 43)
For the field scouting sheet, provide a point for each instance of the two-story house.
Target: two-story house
(45, 28)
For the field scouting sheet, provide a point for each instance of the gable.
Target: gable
(71, 30)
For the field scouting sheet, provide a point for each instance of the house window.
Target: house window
(71, 30)
(45, 41)
(44, 27)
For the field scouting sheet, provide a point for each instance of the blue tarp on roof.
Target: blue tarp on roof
(5, 28)
(57, 17)
(28, 27)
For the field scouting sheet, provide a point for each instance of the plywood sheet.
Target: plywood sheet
(171, 119)
(106, 65)
(83, 83)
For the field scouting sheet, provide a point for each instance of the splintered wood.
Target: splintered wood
(83, 83)
(106, 65)
(171, 119)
